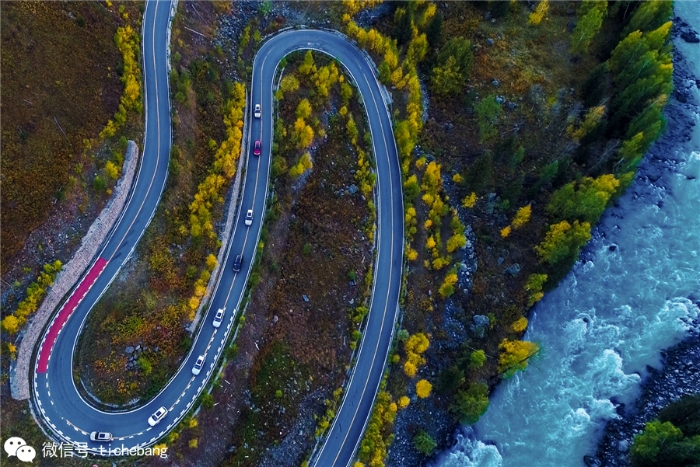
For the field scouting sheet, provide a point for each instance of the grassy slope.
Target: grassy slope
(59, 63)
(58, 60)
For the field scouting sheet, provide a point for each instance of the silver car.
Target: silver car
(257, 113)
(249, 218)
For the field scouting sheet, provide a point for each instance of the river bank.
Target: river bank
(680, 371)
(679, 376)
(632, 294)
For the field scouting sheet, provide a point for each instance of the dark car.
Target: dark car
(237, 263)
(256, 148)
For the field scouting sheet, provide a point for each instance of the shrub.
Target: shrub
(424, 443)
(520, 325)
(470, 404)
(423, 388)
(534, 287)
(563, 242)
(522, 217)
(648, 445)
(409, 369)
(469, 201)
(477, 359)
(488, 112)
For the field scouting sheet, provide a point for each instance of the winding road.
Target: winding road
(55, 396)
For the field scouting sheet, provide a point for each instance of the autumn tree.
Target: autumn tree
(411, 189)
(289, 83)
(477, 359)
(308, 67)
(423, 388)
(303, 109)
(647, 446)
(642, 73)
(519, 325)
(469, 201)
(590, 18)
(593, 118)
(453, 67)
(649, 15)
(515, 355)
(538, 15)
(303, 164)
(534, 286)
(585, 200)
(470, 404)
(303, 134)
(448, 286)
(10, 323)
(415, 346)
(522, 217)
(325, 78)
(563, 242)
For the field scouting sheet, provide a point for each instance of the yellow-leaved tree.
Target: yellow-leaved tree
(423, 388)
(522, 217)
(515, 355)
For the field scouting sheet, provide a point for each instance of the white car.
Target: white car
(100, 436)
(154, 419)
(257, 113)
(197, 368)
(249, 218)
(219, 317)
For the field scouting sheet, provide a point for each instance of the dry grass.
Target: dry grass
(59, 75)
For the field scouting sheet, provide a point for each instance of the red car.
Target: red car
(256, 149)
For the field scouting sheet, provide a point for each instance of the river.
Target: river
(634, 292)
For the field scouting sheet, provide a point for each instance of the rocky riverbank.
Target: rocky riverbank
(680, 374)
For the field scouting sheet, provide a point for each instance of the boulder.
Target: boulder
(513, 270)
(690, 36)
(481, 324)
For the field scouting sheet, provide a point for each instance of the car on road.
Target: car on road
(237, 263)
(197, 368)
(249, 218)
(159, 415)
(256, 148)
(257, 113)
(219, 317)
(100, 436)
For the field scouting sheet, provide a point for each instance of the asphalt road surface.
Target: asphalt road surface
(56, 398)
